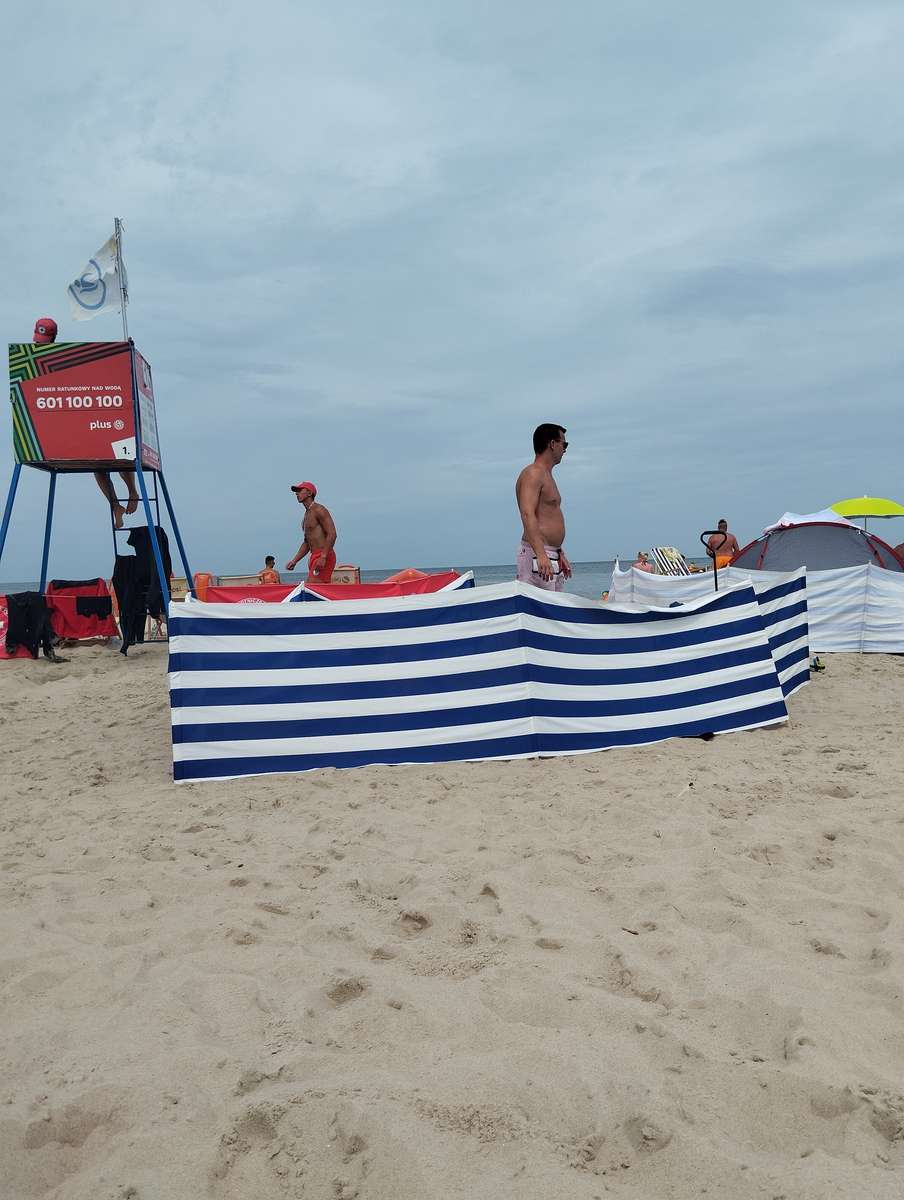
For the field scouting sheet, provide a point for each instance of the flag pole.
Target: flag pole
(121, 275)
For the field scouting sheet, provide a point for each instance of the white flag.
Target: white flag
(97, 288)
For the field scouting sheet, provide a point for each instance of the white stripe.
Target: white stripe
(504, 694)
(548, 752)
(318, 640)
(455, 734)
(399, 604)
(425, 668)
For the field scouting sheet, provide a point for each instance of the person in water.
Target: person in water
(541, 559)
(44, 335)
(269, 573)
(319, 536)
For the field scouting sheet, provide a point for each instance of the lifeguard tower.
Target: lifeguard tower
(80, 407)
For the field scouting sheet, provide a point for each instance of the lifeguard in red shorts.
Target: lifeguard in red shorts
(319, 536)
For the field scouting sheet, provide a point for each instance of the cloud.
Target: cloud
(377, 244)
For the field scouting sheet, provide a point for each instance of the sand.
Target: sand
(670, 972)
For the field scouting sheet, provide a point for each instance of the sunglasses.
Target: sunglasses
(564, 443)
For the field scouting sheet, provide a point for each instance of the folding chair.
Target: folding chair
(669, 561)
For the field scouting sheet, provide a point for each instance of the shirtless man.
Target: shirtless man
(541, 559)
(319, 536)
(45, 334)
(720, 547)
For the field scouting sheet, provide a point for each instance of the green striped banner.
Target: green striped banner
(25, 441)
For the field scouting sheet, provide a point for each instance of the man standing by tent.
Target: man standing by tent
(319, 536)
(722, 546)
(541, 559)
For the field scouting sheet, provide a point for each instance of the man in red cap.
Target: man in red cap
(319, 536)
(45, 331)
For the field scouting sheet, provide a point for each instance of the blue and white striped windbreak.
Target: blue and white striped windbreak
(497, 672)
(782, 597)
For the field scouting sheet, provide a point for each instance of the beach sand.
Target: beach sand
(667, 972)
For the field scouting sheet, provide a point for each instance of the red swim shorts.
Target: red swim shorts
(320, 566)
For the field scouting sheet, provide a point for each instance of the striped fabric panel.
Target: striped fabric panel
(26, 446)
(782, 597)
(784, 609)
(497, 672)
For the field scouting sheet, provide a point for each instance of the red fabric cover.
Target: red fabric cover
(20, 651)
(255, 593)
(67, 623)
(376, 591)
(405, 576)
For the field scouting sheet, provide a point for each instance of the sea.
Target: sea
(589, 578)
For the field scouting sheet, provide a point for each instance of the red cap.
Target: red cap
(45, 330)
(309, 487)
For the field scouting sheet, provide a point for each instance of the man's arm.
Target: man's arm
(302, 551)
(329, 530)
(528, 488)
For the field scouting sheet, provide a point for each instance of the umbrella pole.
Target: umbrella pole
(708, 533)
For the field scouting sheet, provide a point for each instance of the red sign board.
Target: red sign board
(74, 405)
(255, 593)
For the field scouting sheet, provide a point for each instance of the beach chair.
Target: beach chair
(669, 561)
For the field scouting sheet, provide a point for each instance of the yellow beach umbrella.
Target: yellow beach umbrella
(868, 506)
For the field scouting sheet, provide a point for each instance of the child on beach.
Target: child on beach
(269, 573)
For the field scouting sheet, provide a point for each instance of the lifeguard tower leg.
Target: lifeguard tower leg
(8, 510)
(152, 530)
(189, 578)
(48, 525)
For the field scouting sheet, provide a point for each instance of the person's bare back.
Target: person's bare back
(722, 544)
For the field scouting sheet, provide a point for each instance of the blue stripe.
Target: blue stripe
(516, 639)
(793, 607)
(494, 748)
(801, 654)
(791, 661)
(777, 640)
(797, 609)
(789, 686)
(428, 615)
(321, 693)
(482, 714)
(781, 589)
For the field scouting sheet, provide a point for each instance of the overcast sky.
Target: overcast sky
(374, 244)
